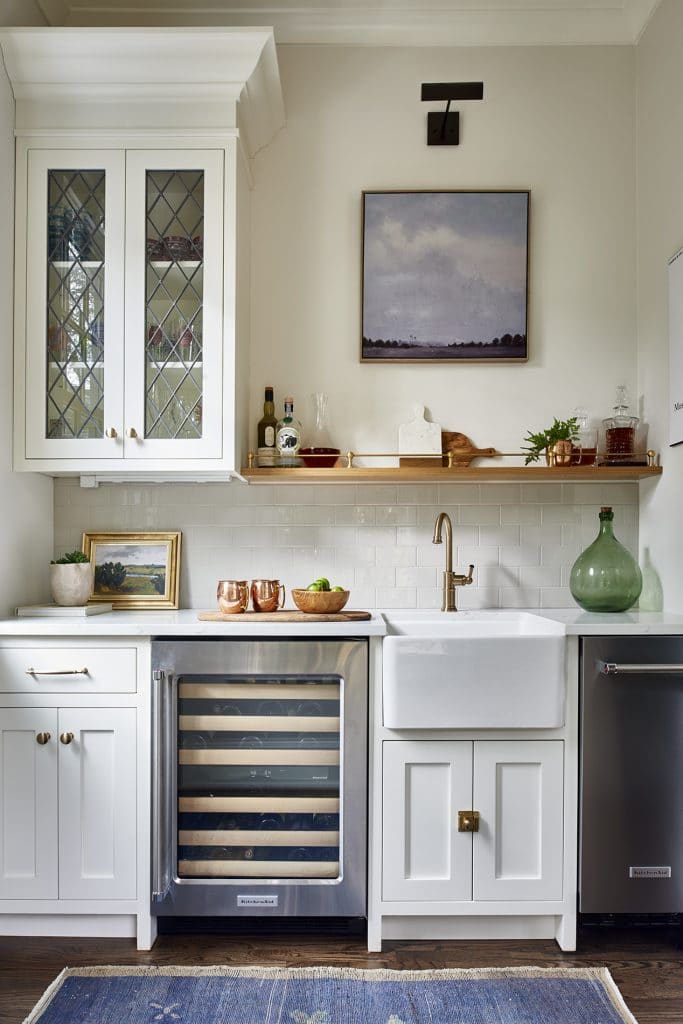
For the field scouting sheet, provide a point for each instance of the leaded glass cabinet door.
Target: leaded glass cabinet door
(74, 304)
(174, 312)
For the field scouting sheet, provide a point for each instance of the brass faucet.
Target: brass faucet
(451, 580)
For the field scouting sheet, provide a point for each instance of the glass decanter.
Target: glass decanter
(605, 577)
(620, 431)
(318, 453)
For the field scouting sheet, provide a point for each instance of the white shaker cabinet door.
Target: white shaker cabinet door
(97, 803)
(28, 803)
(518, 787)
(424, 855)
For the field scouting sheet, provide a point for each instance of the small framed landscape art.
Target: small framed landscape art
(445, 276)
(135, 570)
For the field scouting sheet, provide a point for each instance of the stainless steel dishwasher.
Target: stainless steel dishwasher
(631, 827)
(260, 777)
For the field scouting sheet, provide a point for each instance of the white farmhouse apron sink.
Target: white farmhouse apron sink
(473, 670)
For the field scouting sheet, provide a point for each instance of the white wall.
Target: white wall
(660, 235)
(26, 502)
(559, 121)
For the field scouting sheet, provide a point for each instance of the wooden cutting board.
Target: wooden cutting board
(284, 616)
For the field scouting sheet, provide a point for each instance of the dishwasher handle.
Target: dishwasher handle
(613, 668)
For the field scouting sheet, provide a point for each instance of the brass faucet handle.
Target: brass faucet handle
(464, 581)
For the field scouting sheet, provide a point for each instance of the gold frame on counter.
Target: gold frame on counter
(96, 544)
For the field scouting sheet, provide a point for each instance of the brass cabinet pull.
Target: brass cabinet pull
(43, 738)
(111, 432)
(468, 821)
(57, 672)
(131, 432)
(66, 738)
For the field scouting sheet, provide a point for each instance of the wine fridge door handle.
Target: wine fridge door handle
(611, 668)
(162, 783)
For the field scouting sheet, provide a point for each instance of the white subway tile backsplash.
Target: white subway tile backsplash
(347, 515)
(396, 515)
(310, 515)
(375, 576)
(404, 555)
(336, 494)
(421, 577)
(501, 494)
(480, 515)
(375, 539)
(458, 494)
(529, 515)
(541, 494)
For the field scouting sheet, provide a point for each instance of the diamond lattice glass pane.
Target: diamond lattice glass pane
(75, 304)
(173, 304)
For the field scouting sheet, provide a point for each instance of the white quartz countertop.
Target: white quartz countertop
(180, 623)
(574, 621)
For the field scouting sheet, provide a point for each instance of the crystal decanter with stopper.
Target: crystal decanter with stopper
(620, 432)
(318, 454)
(605, 577)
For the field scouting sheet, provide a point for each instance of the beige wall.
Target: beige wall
(559, 121)
(660, 235)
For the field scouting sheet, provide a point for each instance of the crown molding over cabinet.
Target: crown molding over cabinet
(385, 22)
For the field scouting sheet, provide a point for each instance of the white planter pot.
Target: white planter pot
(71, 584)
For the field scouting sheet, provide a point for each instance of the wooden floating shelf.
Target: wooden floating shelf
(455, 475)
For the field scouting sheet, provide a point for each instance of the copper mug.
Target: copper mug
(267, 595)
(233, 596)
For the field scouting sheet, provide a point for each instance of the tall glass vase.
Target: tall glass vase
(605, 577)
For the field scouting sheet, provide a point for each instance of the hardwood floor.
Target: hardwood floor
(647, 965)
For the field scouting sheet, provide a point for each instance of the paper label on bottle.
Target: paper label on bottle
(288, 440)
(269, 437)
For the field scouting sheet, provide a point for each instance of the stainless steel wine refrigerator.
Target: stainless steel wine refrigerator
(260, 777)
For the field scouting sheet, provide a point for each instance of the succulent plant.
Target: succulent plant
(70, 558)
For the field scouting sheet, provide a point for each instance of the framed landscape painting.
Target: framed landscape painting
(445, 276)
(135, 570)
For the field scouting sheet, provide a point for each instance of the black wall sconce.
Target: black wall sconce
(443, 129)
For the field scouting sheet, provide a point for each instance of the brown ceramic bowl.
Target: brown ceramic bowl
(320, 602)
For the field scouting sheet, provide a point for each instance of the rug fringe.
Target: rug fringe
(376, 974)
(47, 997)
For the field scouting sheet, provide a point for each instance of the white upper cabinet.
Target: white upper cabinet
(132, 282)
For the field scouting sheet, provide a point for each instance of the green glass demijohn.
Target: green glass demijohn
(605, 577)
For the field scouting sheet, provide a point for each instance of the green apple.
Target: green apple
(314, 586)
(324, 583)
(337, 589)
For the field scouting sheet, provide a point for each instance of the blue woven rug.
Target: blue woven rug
(328, 995)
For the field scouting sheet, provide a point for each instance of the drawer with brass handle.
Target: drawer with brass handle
(67, 669)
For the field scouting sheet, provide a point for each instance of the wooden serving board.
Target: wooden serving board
(460, 445)
(283, 616)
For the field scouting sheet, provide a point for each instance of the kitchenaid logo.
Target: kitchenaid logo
(649, 872)
(257, 901)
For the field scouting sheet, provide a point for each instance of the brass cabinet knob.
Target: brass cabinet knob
(66, 737)
(468, 821)
(43, 738)
(111, 432)
(131, 432)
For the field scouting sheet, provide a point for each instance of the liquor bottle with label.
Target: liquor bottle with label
(288, 436)
(266, 428)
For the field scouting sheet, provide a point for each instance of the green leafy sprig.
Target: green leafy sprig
(70, 558)
(561, 430)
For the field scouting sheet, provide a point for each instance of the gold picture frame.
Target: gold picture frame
(155, 559)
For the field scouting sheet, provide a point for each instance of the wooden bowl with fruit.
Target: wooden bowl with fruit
(319, 598)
